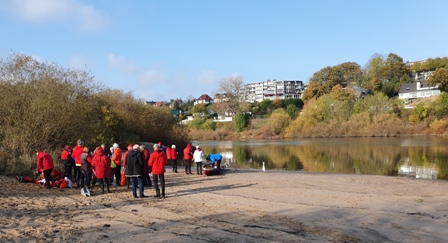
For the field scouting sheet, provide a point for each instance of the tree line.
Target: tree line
(333, 106)
(45, 106)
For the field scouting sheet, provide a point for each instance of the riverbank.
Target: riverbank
(238, 206)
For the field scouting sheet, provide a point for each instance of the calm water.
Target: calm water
(375, 156)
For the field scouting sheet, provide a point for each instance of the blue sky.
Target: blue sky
(168, 49)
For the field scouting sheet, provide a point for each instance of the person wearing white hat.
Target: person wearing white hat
(198, 157)
(174, 158)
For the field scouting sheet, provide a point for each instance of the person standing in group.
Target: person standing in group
(117, 158)
(86, 177)
(106, 151)
(111, 151)
(158, 161)
(66, 157)
(174, 158)
(198, 157)
(215, 160)
(168, 153)
(146, 167)
(45, 165)
(101, 165)
(76, 154)
(161, 147)
(129, 148)
(188, 156)
(134, 170)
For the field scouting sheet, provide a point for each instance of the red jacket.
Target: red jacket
(44, 161)
(101, 164)
(173, 154)
(158, 161)
(187, 152)
(116, 157)
(168, 152)
(76, 154)
(65, 154)
(145, 157)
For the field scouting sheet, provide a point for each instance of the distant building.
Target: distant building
(275, 89)
(177, 113)
(221, 98)
(417, 90)
(203, 99)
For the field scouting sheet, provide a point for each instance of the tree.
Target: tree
(440, 78)
(231, 86)
(373, 78)
(240, 122)
(292, 111)
(199, 109)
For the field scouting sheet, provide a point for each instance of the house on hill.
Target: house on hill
(203, 99)
(417, 90)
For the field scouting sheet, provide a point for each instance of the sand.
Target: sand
(237, 206)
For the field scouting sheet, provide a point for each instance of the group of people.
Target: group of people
(107, 166)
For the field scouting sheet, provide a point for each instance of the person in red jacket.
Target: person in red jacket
(146, 168)
(66, 157)
(158, 161)
(174, 158)
(76, 154)
(101, 165)
(188, 156)
(117, 158)
(128, 179)
(45, 165)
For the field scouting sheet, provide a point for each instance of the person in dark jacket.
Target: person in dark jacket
(158, 161)
(134, 170)
(86, 168)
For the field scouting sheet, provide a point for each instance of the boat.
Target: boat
(210, 170)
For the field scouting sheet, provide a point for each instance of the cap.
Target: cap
(67, 147)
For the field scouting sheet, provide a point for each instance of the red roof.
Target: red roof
(205, 97)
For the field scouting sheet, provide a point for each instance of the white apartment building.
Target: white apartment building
(275, 89)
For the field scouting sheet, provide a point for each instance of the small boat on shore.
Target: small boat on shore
(210, 170)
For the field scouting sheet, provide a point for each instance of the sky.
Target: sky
(168, 49)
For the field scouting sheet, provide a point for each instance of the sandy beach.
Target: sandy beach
(237, 206)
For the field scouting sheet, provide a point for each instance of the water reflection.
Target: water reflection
(375, 156)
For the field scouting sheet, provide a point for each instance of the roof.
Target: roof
(204, 97)
(412, 87)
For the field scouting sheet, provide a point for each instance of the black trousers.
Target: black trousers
(147, 180)
(199, 167)
(67, 169)
(87, 177)
(156, 179)
(174, 163)
(117, 172)
(78, 175)
(188, 166)
(48, 178)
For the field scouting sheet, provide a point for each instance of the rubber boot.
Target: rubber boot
(102, 187)
(107, 187)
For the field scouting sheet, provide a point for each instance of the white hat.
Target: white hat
(173, 146)
(116, 145)
(197, 147)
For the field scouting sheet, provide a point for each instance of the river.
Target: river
(420, 157)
